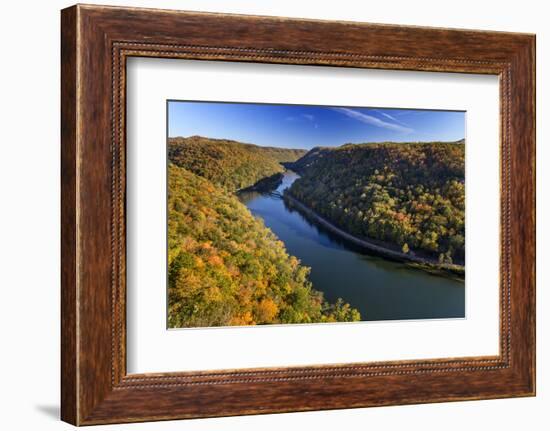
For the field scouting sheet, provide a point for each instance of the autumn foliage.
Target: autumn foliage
(408, 196)
(230, 164)
(224, 266)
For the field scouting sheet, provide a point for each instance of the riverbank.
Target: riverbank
(423, 263)
(264, 185)
(381, 288)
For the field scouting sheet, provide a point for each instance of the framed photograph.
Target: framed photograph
(264, 215)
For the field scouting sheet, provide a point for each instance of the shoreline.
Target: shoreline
(264, 185)
(413, 261)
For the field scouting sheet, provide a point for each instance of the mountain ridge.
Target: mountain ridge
(409, 195)
(231, 164)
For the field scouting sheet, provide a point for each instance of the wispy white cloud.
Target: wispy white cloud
(373, 121)
(390, 117)
(386, 115)
(308, 117)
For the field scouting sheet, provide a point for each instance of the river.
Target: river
(379, 288)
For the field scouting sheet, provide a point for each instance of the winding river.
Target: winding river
(380, 289)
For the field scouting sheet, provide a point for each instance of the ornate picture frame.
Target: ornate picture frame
(96, 41)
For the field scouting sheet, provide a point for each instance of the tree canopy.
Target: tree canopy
(226, 268)
(230, 164)
(408, 195)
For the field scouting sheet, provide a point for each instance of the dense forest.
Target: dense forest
(410, 196)
(224, 266)
(230, 164)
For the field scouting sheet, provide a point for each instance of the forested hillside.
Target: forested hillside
(230, 164)
(409, 196)
(227, 268)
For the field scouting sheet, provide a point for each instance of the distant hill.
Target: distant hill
(410, 196)
(318, 153)
(308, 159)
(230, 164)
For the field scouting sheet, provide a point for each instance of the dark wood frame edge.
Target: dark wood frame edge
(95, 43)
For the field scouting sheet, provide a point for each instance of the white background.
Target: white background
(29, 217)
(151, 348)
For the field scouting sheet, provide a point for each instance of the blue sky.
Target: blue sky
(304, 126)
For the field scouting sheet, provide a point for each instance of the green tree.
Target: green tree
(406, 193)
(226, 268)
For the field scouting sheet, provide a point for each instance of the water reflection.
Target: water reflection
(379, 288)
